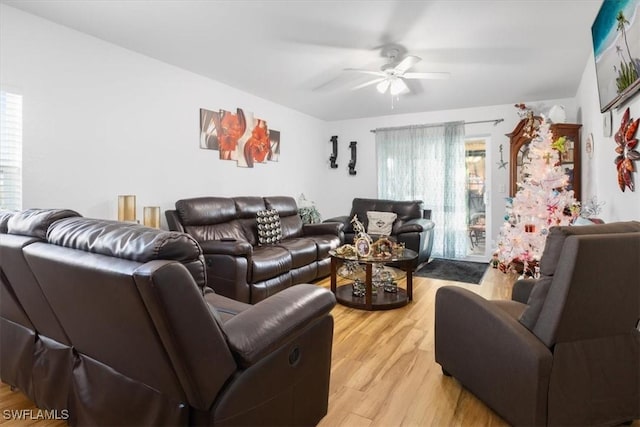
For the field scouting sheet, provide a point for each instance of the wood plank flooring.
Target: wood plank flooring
(384, 372)
(383, 369)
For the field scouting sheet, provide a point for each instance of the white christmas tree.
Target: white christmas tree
(542, 201)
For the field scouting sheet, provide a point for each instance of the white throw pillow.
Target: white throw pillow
(380, 222)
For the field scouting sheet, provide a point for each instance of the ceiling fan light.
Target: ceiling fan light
(383, 86)
(398, 86)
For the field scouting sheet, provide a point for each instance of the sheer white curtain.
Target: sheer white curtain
(428, 163)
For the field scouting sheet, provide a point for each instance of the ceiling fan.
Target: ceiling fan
(392, 75)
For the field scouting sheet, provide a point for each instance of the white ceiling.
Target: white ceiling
(294, 52)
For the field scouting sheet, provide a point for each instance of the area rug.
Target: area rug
(453, 270)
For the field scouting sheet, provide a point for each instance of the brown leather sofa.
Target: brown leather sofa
(565, 351)
(113, 323)
(413, 226)
(237, 266)
(36, 355)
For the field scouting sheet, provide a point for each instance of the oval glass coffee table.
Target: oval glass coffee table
(352, 295)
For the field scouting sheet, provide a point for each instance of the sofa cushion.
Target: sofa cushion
(325, 243)
(269, 261)
(290, 220)
(268, 224)
(210, 218)
(129, 241)
(36, 222)
(303, 251)
(248, 206)
(123, 240)
(380, 222)
(287, 206)
(231, 230)
(205, 210)
(4, 220)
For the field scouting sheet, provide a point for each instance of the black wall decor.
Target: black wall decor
(352, 162)
(334, 155)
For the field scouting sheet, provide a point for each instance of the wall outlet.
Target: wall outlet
(502, 188)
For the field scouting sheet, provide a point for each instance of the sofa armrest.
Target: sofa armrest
(477, 319)
(343, 219)
(522, 289)
(415, 226)
(223, 247)
(268, 325)
(489, 352)
(333, 228)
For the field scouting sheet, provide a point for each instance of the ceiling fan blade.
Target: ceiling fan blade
(426, 75)
(408, 62)
(383, 85)
(369, 83)
(398, 87)
(373, 73)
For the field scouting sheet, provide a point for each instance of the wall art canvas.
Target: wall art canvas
(616, 46)
(239, 136)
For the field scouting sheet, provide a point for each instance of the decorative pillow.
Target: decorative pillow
(380, 222)
(269, 229)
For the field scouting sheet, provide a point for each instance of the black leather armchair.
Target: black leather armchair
(413, 226)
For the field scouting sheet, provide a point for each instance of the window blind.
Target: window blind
(10, 150)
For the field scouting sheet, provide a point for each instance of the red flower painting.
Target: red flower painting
(240, 137)
(627, 152)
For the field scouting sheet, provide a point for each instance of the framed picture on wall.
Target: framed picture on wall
(616, 49)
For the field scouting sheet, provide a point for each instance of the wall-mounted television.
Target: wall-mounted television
(616, 47)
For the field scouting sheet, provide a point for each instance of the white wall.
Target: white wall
(599, 175)
(100, 121)
(364, 184)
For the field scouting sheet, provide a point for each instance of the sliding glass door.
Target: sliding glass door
(475, 161)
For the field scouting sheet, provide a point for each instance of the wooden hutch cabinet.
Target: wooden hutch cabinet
(569, 160)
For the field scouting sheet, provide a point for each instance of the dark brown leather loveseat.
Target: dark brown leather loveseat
(413, 226)
(111, 324)
(237, 266)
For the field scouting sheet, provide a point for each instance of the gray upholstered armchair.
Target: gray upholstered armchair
(566, 349)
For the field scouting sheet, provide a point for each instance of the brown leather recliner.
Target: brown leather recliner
(413, 226)
(145, 342)
(237, 266)
(36, 354)
(566, 350)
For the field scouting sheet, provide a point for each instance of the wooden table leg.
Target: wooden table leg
(334, 269)
(368, 286)
(410, 283)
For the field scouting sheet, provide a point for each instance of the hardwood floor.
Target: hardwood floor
(384, 372)
(383, 369)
